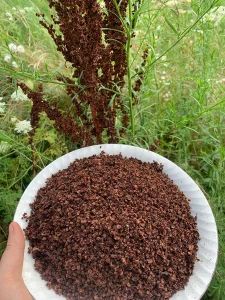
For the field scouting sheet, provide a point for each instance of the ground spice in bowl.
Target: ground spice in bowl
(109, 227)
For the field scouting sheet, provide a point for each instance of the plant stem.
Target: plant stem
(120, 16)
(129, 79)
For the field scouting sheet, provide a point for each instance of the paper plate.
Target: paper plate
(208, 244)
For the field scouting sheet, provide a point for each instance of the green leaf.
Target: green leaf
(171, 26)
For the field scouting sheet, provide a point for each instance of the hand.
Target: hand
(12, 286)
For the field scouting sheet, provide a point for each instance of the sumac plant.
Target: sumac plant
(95, 38)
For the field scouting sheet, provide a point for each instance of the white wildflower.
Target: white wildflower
(198, 31)
(173, 3)
(16, 49)
(167, 96)
(1, 98)
(19, 95)
(22, 11)
(215, 15)
(2, 107)
(15, 65)
(20, 49)
(28, 8)
(23, 127)
(9, 16)
(14, 8)
(14, 119)
(182, 11)
(4, 147)
(8, 58)
(12, 47)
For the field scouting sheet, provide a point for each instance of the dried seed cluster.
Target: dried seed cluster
(140, 74)
(93, 40)
(109, 227)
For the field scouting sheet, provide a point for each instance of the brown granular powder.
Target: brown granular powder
(109, 227)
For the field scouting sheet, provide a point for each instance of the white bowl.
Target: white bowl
(208, 244)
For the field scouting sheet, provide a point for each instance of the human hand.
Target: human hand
(12, 286)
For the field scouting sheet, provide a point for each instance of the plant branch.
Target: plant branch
(130, 93)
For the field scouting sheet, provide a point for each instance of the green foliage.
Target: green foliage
(8, 203)
(180, 112)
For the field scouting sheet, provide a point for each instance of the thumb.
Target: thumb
(12, 259)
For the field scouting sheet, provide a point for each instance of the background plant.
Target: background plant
(178, 111)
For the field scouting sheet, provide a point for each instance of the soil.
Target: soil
(109, 227)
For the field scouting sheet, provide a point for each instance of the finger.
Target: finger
(12, 259)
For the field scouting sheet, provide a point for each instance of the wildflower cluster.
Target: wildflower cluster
(19, 95)
(12, 15)
(23, 127)
(13, 50)
(16, 48)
